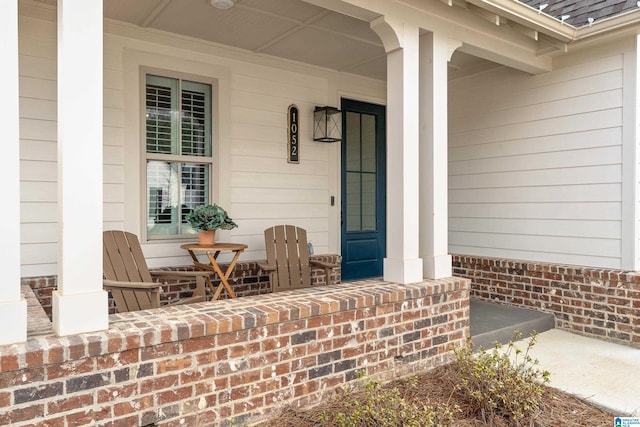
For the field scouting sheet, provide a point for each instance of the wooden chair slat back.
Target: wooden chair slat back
(282, 263)
(125, 256)
(123, 261)
(286, 247)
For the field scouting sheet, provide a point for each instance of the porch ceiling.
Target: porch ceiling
(291, 29)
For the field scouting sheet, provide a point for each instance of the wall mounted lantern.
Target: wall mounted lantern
(327, 124)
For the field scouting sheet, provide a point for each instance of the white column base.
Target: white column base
(437, 267)
(78, 313)
(403, 271)
(13, 315)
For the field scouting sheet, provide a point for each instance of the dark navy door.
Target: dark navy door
(363, 189)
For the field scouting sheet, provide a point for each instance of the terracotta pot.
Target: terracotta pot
(206, 237)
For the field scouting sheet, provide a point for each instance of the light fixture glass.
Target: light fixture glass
(222, 4)
(327, 124)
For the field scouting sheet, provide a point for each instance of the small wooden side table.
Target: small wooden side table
(212, 252)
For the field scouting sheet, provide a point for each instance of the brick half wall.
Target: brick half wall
(232, 362)
(594, 302)
(247, 279)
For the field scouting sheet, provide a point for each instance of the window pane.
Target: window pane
(161, 115)
(173, 190)
(195, 184)
(163, 208)
(196, 119)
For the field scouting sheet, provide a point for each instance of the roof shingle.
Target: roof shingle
(580, 11)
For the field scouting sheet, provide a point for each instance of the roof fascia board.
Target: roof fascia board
(529, 17)
(615, 23)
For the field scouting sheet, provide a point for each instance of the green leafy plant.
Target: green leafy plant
(210, 217)
(373, 405)
(501, 382)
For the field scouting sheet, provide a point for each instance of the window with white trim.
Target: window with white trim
(178, 147)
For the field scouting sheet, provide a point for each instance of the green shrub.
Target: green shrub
(374, 405)
(497, 386)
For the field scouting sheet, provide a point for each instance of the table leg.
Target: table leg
(224, 276)
(203, 267)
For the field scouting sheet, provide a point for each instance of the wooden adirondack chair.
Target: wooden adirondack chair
(129, 279)
(288, 261)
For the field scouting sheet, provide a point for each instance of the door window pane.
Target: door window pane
(368, 200)
(353, 142)
(368, 123)
(360, 172)
(354, 222)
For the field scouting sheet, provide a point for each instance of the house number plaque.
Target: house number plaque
(292, 131)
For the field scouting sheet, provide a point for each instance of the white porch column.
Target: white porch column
(401, 42)
(435, 53)
(80, 303)
(13, 307)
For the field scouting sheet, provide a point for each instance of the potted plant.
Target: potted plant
(206, 219)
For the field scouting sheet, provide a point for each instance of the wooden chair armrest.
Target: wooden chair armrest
(165, 274)
(191, 300)
(323, 264)
(130, 285)
(266, 267)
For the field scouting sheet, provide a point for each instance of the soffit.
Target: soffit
(291, 29)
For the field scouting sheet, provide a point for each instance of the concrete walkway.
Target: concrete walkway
(601, 372)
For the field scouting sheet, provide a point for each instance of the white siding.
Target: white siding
(535, 163)
(254, 183)
(38, 153)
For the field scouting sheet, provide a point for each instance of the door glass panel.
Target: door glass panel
(368, 206)
(353, 142)
(353, 201)
(368, 124)
(361, 172)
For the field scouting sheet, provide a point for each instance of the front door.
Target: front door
(363, 189)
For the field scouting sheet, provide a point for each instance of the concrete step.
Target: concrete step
(491, 322)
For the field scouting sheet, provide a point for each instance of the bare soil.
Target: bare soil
(559, 409)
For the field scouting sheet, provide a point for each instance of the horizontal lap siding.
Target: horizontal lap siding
(38, 146)
(265, 189)
(38, 143)
(113, 140)
(535, 164)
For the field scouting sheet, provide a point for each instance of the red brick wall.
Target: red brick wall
(232, 360)
(247, 279)
(594, 302)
